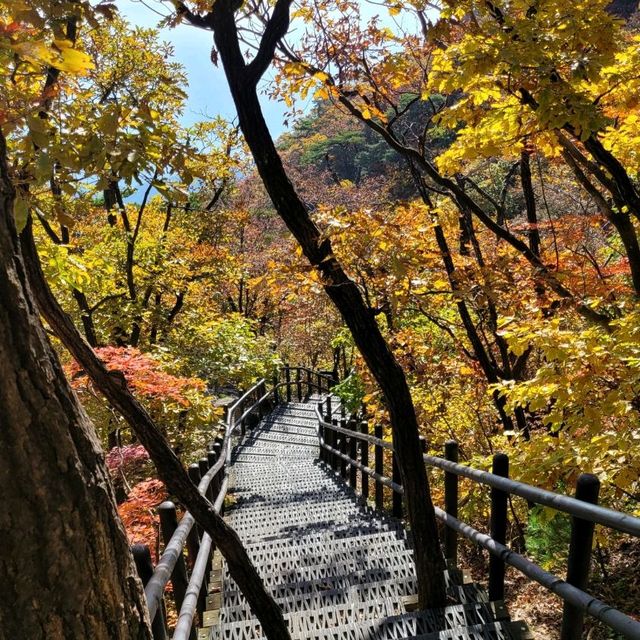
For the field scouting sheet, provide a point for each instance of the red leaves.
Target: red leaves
(138, 513)
(128, 458)
(143, 373)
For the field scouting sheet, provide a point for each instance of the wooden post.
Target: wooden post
(276, 393)
(323, 432)
(212, 457)
(328, 433)
(287, 379)
(343, 449)
(364, 458)
(379, 467)
(144, 566)
(193, 539)
(451, 502)
(168, 526)
(299, 384)
(353, 454)
(203, 463)
(498, 527)
(335, 443)
(396, 498)
(587, 490)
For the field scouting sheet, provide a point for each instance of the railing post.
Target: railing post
(336, 463)
(396, 498)
(587, 490)
(364, 458)
(144, 566)
(193, 539)
(343, 449)
(212, 458)
(379, 467)
(451, 502)
(299, 384)
(168, 526)
(203, 463)
(321, 432)
(353, 454)
(330, 434)
(498, 527)
(287, 380)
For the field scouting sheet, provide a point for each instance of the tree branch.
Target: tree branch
(275, 30)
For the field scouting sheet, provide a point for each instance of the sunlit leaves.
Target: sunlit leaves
(527, 71)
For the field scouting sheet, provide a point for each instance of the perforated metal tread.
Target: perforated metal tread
(371, 620)
(338, 569)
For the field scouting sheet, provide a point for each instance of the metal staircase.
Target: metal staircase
(339, 569)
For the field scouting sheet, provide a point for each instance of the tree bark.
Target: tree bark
(65, 564)
(340, 288)
(114, 388)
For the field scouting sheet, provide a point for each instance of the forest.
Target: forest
(449, 226)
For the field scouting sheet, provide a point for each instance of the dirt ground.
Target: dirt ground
(618, 585)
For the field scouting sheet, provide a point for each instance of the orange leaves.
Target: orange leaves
(143, 374)
(138, 515)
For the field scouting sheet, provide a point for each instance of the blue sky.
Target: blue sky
(208, 92)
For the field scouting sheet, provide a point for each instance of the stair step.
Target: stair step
(400, 562)
(339, 569)
(404, 625)
(307, 598)
(320, 556)
(235, 607)
(313, 543)
(280, 587)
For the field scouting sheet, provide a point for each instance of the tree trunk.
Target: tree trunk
(347, 298)
(66, 567)
(113, 386)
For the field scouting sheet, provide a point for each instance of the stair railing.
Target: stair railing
(291, 381)
(210, 474)
(345, 444)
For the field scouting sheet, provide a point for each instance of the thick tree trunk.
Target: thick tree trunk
(114, 388)
(347, 298)
(65, 563)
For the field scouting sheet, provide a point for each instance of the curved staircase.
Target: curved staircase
(339, 569)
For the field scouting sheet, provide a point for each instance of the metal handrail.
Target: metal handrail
(154, 589)
(580, 509)
(613, 618)
(308, 370)
(190, 604)
(585, 510)
(365, 437)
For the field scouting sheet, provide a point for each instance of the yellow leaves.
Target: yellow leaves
(71, 60)
(60, 54)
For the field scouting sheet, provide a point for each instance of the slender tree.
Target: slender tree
(243, 81)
